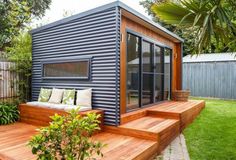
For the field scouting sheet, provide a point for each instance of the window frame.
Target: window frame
(88, 77)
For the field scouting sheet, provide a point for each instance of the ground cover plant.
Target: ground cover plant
(8, 113)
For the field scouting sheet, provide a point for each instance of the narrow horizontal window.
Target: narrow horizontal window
(67, 70)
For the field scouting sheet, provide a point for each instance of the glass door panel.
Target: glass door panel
(167, 73)
(159, 73)
(133, 71)
(148, 72)
(147, 75)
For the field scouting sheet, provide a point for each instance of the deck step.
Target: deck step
(185, 112)
(160, 129)
(122, 147)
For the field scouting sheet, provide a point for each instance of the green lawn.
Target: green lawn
(212, 136)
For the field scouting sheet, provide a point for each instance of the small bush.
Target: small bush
(8, 114)
(67, 138)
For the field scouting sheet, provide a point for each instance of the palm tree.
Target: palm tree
(208, 20)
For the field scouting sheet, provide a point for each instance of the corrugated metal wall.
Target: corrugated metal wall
(96, 35)
(210, 79)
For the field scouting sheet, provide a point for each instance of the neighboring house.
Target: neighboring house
(129, 61)
(210, 75)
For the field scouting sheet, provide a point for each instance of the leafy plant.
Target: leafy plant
(68, 138)
(16, 14)
(212, 22)
(20, 53)
(8, 114)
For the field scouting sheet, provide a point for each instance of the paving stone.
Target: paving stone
(177, 150)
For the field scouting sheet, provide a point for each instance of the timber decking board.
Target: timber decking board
(159, 129)
(148, 123)
(176, 106)
(119, 147)
(13, 146)
(142, 135)
(13, 141)
(186, 112)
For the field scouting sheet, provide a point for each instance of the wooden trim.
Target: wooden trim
(136, 27)
(178, 66)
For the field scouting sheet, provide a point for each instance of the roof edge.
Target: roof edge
(104, 7)
(155, 24)
(78, 15)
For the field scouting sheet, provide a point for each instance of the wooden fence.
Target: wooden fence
(9, 79)
(210, 79)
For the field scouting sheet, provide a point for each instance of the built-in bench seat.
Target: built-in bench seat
(37, 114)
(60, 101)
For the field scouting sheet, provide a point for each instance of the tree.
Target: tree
(188, 37)
(148, 5)
(16, 14)
(211, 22)
(20, 52)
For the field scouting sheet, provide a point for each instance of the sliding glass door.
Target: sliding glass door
(133, 71)
(167, 73)
(148, 72)
(159, 73)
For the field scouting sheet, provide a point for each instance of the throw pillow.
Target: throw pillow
(44, 95)
(84, 98)
(68, 97)
(56, 96)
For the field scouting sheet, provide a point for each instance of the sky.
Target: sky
(59, 7)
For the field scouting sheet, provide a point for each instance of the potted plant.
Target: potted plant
(180, 95)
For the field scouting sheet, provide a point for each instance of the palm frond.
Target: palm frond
(208, 18)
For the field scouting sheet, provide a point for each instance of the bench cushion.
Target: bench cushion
(64, 107)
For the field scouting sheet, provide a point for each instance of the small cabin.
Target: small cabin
(129, 61)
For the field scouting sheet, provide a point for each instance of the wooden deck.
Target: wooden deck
(141, 135)
(13, 141)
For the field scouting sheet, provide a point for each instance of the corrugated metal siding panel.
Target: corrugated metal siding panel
(210, 79)
(95, 36)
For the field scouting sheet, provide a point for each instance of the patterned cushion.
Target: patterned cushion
(68, 97)
(44, 95)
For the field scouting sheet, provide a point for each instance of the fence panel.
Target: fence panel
(210, 79)
(9, 79)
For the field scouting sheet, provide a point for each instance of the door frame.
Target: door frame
(154, 44)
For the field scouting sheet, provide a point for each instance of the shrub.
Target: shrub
(20, 52)
(67, 138)
(8, 113)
